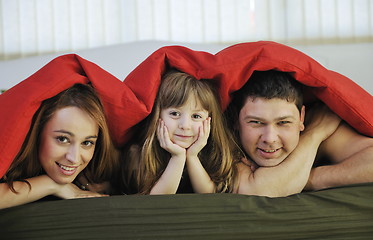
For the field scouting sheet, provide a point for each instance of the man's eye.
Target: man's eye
(62, 139)
(255, 122)
(284, 122)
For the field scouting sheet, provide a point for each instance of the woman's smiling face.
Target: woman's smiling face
(67, 144)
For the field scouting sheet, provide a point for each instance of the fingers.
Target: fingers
(165, 140)
(162, 135)
(88, 194)
(82, 182)
(201, 141)
(204, 131)
(85, 193)
(71, 191)
(207, 127)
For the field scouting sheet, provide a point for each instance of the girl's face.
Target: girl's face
(183, 122)
(67, 144)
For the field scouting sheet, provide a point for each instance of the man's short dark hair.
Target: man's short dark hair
(270, 84)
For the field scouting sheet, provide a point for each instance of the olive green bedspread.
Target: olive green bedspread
(339, 213)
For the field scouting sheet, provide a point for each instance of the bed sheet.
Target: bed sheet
(339, 213)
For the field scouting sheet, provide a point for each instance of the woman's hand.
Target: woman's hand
(200, 143)
(165, 141)
(83, 183)
(71, 191)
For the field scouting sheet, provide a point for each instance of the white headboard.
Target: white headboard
(352, 60)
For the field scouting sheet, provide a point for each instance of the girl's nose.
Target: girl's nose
(184, 123)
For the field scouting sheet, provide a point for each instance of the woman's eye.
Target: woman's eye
(255, 122)
(88, 143)
(62, 139)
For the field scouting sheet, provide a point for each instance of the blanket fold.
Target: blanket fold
(128, 102)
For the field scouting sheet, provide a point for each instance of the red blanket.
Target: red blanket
(126, 103)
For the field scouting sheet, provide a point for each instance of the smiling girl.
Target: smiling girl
(68, 137)
(182, 142)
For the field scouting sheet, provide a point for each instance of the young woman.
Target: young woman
(68, 138)
(183, 141)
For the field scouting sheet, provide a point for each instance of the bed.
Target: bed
(339, 213)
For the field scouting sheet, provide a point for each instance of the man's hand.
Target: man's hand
(322, 121)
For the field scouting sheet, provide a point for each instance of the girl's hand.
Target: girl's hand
(165, 141)
(71, 191)
(200, 143)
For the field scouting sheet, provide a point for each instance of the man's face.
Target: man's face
(269, 129)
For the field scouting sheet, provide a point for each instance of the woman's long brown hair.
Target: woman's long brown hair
(105, 159)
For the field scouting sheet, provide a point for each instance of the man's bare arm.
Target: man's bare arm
(351, 155)
(290, 176)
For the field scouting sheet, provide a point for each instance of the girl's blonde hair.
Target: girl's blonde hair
(105, 159)
(143, 167)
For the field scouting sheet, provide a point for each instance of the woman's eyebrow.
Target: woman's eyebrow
(64, 132)
(95, 136)
(71, 134)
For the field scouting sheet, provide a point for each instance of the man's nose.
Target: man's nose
(270, 134)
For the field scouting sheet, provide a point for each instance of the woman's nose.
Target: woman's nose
(73, 154)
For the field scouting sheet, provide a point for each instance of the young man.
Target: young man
(268, 116)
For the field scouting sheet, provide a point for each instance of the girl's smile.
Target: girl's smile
(183, 123)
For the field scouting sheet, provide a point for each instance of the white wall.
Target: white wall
(32, 27)
(352, 60)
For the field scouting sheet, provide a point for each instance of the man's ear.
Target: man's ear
(302, 117)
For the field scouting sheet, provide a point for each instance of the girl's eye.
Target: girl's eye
(174, 113)
(196, 116)
(62, 139)
(88, 143)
